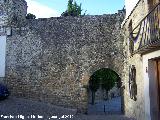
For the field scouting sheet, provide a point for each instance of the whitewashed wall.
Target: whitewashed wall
(130, 4)
(2, 55)
(148, 77)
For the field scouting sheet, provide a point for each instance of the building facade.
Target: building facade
(142, 67)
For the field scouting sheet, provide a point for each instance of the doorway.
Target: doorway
(154, 88)
(158, 81)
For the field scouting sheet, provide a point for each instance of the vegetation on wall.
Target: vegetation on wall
(73, 9)
(105, 78)
(30, 16)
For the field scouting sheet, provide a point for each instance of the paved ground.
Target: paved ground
(18, 109)
(112, 106)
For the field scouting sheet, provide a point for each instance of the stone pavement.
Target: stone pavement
(102, 117)
(112, 106)
(18, 109)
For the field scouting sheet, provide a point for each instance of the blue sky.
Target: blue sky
(53, 8)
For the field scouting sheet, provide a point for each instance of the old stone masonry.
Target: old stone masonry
(52, 59)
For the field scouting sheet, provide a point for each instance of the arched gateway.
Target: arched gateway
(100, 78)
(104, 92)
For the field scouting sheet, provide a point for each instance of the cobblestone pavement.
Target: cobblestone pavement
(17, 109)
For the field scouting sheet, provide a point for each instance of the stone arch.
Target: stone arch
(114, 68)
(94, 69)
(89, 73)
(85, 76)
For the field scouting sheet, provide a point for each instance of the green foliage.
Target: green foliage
(94, 83)
(70, 6)
(73, 9)
(30, 16)
(104, 77)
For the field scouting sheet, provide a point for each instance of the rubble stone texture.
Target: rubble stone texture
(52, 59)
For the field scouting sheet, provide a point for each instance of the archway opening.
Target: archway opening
(104, 92)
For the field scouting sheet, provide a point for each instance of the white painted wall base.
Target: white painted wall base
(2, 55)
(147, 79)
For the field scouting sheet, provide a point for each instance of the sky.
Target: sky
(54, 8)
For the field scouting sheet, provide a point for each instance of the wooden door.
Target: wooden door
(158, 78)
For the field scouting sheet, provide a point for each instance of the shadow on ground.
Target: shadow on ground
(17, 109)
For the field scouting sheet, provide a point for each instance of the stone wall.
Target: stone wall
(135, 108)
(14, 12)
(18, 11)
(51, 60)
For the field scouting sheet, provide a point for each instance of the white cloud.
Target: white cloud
(40, 10)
